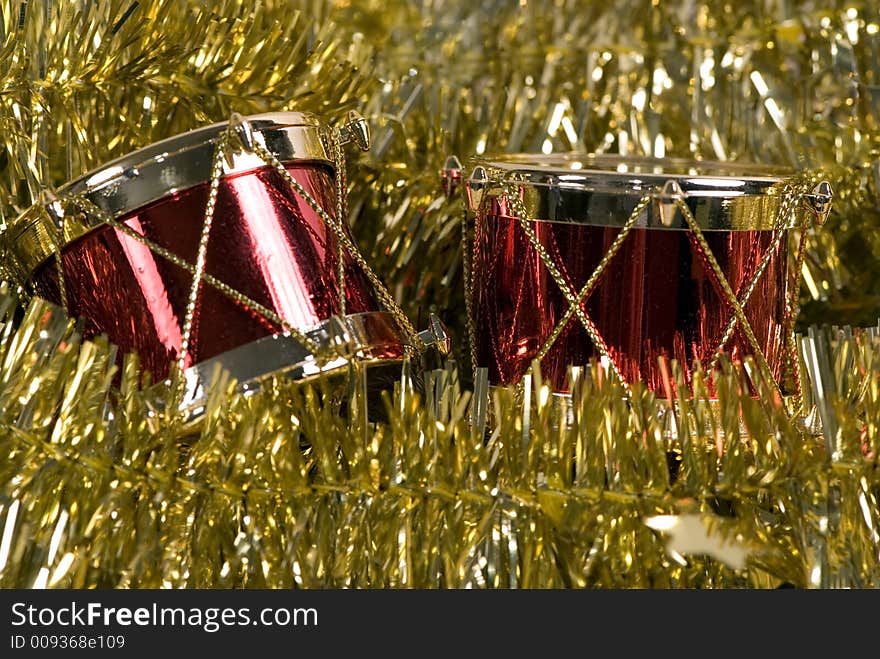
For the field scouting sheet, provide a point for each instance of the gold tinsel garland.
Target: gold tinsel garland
(293, 487)
(285, 489)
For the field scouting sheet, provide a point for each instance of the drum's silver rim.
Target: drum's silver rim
(154, 172)
(353, 337)
(603, 190)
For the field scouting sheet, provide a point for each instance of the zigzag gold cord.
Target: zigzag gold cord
(730, 295)
(467, 250)
(792, 196)
(387, 300)
(202, 253)
(87, 206)
(747, 295)
(793, 307)
(512, 195)
(594, 278)
(341, 216)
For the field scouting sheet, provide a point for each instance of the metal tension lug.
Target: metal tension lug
(340, 339)
(243, 131)
(356, 130)
(451, 175)
(819, 201)
(476, 187)
(670, 194)
(436, 336)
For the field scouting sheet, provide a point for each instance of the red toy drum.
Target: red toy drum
(631, 261)
(222, 245)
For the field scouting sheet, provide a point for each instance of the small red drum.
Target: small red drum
(630, 261)
(120, 248)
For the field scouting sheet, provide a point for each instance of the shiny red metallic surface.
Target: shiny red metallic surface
(658, 297)
(265, 242)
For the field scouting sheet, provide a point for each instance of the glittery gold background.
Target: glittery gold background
(293, 487)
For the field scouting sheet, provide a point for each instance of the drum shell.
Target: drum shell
(119, 248)
(658, 298)
(266, 243)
